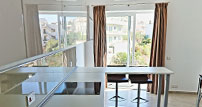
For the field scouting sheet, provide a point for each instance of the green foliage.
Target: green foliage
(51, 45)
(54, 60)
(142, 52)
(125, 37)
(119, 58)
(72, 37)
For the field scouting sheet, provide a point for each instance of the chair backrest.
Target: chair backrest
(116, 65)
(144, 76)
(138, 76)
(116, 75)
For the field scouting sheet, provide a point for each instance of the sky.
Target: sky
(52, 17)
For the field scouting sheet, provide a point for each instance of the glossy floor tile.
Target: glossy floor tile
(175, 99)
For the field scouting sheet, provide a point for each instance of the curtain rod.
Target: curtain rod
(130, 4)
(62, 3)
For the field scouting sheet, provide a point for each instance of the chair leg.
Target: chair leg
(138, 95)
(138, 98)
(117, 97)
(116, 94)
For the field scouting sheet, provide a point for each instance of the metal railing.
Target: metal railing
(16, 64)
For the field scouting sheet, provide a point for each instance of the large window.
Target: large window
(60, 32)
(129, 39)
(75, 30)
(143, 38)
(49, 26)
(117, 40)
(49, 32)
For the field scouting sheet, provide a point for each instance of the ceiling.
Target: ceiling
(91, 2)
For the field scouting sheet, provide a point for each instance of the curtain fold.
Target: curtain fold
(157, 58)
(100, 44)
(32, 31)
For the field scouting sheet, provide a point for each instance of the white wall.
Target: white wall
(90, 27)
(89, 54)
(184, 43)
(12, 45)
(80, 55)
(84, 54)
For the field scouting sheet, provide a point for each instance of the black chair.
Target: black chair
(116, 78)
(139, 79)
(199, 91)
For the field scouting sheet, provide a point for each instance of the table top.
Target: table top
(126, 70)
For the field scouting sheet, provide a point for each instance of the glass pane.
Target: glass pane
(143, 37)
(49, 32)
(53, 60)
(117, 40)
(75, 30)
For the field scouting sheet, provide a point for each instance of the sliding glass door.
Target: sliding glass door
(143, 37)
(117, 40)
(129, 39)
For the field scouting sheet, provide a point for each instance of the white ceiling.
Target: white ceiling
(80, 5)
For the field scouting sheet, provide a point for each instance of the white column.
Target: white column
(59, 30)
(128, 53)
(133, 46)
(89, 30)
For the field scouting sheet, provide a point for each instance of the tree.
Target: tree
(142, 49)
(120, 58)
(72, 37)
(51, 45)
(53, 60)
(142, 52)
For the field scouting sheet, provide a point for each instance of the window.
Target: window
(50, 39)
(130, 38)
(61, 31)
(115, 28)
(75, 30)
(143, 38)
(49, 32)
(117, 49)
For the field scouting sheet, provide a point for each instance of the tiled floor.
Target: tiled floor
(175, 100)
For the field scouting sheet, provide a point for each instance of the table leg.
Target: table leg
(167, 82)
(159, 90)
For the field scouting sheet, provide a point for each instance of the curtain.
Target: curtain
(32, 31)
(100, 44)
(157, 58)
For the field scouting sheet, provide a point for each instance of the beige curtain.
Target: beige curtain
(157, 58)
(100, 44)
(32, 30)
